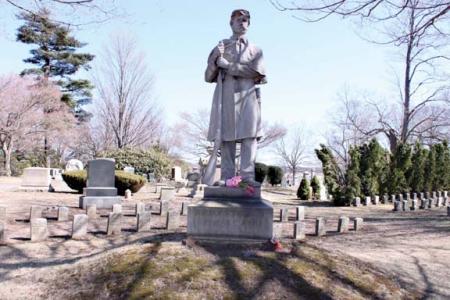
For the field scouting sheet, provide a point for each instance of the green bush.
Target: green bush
(76, 180)
(143, 161)
(274, 175)
(125, 180)
(303, 190)
(260, 172)
(315, 185)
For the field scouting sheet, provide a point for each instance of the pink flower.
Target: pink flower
(233, 181)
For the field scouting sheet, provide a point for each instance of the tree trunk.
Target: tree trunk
(293, 177)
(7, 159)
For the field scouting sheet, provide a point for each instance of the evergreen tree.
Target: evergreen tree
(372, 164)
(56, 59)
(430, 170)
(315, 185)
(400, 165)
(417, 173)
(353, 182)
(446, 169)
(303, 189)
(274, 175)
(334, 180)
(440, 176)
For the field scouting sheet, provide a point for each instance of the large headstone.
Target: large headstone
(100, 188)
(35, 179)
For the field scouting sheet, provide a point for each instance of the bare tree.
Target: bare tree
(69, 12)
(126, 109)
(292, 150)
(22, 113)
(190, 134)
(433, 13)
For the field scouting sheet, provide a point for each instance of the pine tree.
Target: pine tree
(446, 165)
(334, 180)
(315, 185)
(56, 58)
(400, 166)
(417, 174)
(303, 189)
(440, 176)
(372, 164)
(353, 182)
(430, 170)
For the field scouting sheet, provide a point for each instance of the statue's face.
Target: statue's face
(239, 25)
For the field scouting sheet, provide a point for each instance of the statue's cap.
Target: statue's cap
(240, 12)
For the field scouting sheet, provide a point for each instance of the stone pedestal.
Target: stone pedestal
(230, 214)
(35, 179)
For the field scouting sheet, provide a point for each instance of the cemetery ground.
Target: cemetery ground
(403, 255)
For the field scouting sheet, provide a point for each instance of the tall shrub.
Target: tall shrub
(430, 170)
(353, 182)
(274, 175)
(400, 165)
(143, 161)
(315, 185)
(303, 189)
(334, 180)
(260, 172)
(371, 167)
(417, 171)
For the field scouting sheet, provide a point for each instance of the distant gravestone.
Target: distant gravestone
(299, 213)
(397, 205)
(393, 199)
(357, 202)
(143, 221)
(299, 230)
(176, 173)
(74, 165)
(114, 225)
(320, 226)
(184, 208)
(39, 230)
(63, 214)
(172, 220)
(376, 200)
(405, 205)
(159, 186)
(100, 188)
(163, 208)
(139, 208)
(385, 199)
(423, 203)
(284, 214)
(448, 211)
(129, 169)
(167, 194)
(430, 203)
(277, 231)
(79, 226)
(2, 213)
(91, 211)
(343, 224)
(36, 212)
(117, 208)
(2, 232)
(127, 194)
(35, 179)
(358, 223)
(367, 201)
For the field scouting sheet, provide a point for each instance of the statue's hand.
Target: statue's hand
(223, 63)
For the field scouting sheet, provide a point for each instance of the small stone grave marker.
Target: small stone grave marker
(36, 212)
(284, 214)
(117, 208)
(114, 223)
(367, 201)
(39, 230)
(299, 213)
(414, 204)
(2, 232)
(172, 220)
(299, 230)
(143, 221)
(385, 199)
(405, 205)
(91, 211)
(184, 208)
(357, 202)
(397, 205)
(163, 207)
(140, 208)
(376, 200)
(358, 224)
(167, 194)
(343, 224)
(63, 214)
(320, 226)
(79, 226)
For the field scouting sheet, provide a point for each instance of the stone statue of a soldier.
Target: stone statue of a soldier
(236, 65)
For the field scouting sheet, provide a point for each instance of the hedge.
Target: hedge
(76, 180)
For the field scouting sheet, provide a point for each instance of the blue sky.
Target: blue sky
(307, 63)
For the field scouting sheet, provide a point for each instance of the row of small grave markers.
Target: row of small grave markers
(39, 231)
(368, 200)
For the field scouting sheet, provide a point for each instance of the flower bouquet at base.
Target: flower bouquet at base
(237, 182)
